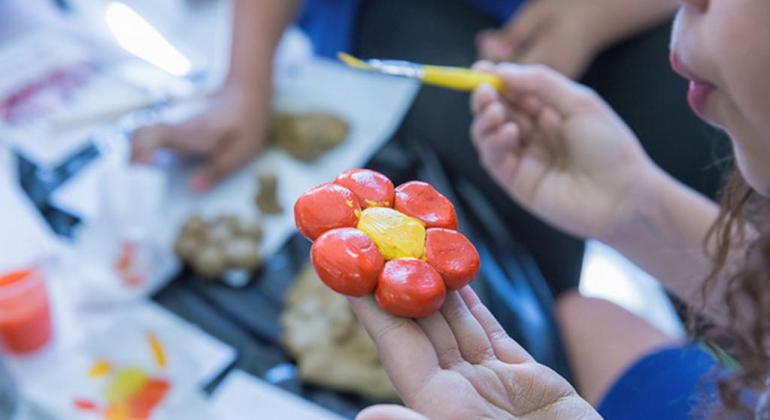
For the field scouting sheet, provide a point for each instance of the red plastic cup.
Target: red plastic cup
(25, 313)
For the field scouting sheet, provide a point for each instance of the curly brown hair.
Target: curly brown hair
(744, 336)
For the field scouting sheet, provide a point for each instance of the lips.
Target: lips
(699, 89)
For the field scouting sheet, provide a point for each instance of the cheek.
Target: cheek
(737, 42)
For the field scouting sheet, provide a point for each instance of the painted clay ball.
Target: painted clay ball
(401, 244)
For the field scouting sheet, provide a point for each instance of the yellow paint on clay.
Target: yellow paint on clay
(395, 234)
(370, 203)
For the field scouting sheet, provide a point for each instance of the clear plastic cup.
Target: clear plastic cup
(25, 312)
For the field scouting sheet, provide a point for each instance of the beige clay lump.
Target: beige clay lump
(308, 136)
(267, 197)
(214, 247)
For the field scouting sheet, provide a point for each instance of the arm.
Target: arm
(621, 19)
(230, 131)
(663, 231)
(257, 29)
(566, 34)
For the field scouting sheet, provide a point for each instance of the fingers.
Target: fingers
(526, 24)
(146, 140)
(484, 95)
(489, 119)
(196, 136)
(389, 412)
(500, 145)
(548, 86)
(472, 341)
(443, 340)
(232, 154)
(405, 351)
(492, 45)
(505, 348)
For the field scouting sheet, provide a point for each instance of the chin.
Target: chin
(756, 174)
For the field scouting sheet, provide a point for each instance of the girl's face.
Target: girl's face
(723, 48)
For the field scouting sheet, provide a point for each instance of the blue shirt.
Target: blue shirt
(330, 23)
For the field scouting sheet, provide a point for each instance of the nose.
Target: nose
(700, 5)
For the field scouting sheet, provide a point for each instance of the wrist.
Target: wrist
(642, 206)
(243, 98)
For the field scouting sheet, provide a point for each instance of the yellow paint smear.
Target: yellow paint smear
(395, 234)
(352, 61)
(158, 352)
(99, 369)
(126, 383)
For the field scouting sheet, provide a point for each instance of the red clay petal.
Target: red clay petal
(453, 256)
(373, 189)
(422, 201)
(410, 288)
(325, 207)
(347, 261)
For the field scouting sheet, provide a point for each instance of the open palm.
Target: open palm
(460, 364)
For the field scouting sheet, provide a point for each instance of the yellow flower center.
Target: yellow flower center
(395, 234)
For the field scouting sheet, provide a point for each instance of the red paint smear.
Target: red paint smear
(126, 258)
(142, 404)
(85, 405)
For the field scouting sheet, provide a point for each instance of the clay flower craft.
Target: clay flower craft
(401, 244)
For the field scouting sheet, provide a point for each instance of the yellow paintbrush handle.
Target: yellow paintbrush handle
(459, 78)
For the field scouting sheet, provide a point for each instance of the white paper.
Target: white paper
(371, 104)
(244, 397)
(208, 356)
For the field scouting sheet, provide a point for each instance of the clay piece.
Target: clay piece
(267, 197)
(400, 244)
(215, 247)
(330, 346)
(308, 136)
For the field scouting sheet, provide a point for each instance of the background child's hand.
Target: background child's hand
(566, 35)
(226, 135)
(558, 149)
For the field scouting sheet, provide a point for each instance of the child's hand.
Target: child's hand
(559, 150)
(564, 35)
(226, 135)
(460, 364)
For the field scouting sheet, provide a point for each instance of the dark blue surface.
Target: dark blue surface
(331, 23)
(668, 384)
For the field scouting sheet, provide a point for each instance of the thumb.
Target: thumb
(492, 46)
(231, 154)
(389, 412)
(192, 137)
(146, 140)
